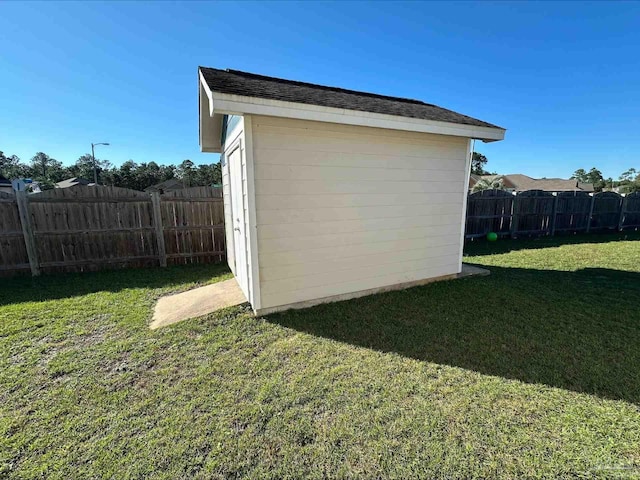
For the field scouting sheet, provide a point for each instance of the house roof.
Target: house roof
(587, 187)
(507, 181)
(72, 182)
(171, 184)
(252, 85)
(473, 179)
(524, 182)
(520, 183)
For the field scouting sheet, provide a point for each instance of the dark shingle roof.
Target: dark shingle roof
(72, 182)
(252, 85)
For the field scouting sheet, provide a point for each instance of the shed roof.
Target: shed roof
(252, 85)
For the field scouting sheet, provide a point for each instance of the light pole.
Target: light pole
(93, 155)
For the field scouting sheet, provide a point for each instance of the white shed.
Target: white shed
(332, 194)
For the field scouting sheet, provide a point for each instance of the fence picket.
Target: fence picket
(593, 202)
(27, 231)
(157, 222)
(622, 212)
(554, 215)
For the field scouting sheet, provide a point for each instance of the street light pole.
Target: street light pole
(93, 156)
(95, 170)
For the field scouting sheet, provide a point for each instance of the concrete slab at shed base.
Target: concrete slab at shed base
(197, 302)
(472, 271)
(467, 271)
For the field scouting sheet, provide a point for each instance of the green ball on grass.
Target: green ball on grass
(492, 236)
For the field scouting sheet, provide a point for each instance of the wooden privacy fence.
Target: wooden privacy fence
(536, 212)
(89, 228)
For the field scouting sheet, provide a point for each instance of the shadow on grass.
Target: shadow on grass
(480, 247)
(579, 331)
(68, 285)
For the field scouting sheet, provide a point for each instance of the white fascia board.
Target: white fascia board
(211, 149)
(208, 91)
(210, 123)
(239, 105)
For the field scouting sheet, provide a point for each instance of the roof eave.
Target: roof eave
(213, 105)
(224, 103)
(209, 121)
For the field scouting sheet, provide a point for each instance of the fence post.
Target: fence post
(553, 214)
(27, 231)
(157, 223)
(593, 199)
(514, 215)
(622, 205)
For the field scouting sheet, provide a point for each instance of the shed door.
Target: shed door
(236, 175)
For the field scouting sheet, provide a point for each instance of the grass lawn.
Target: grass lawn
(533, 371)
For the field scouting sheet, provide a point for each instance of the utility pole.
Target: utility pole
(93, 156)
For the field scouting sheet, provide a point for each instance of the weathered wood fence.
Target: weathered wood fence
(536, 212)
(90, 228)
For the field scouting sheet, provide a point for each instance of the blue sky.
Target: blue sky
(563, 78)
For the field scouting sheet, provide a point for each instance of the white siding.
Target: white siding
(341, 209)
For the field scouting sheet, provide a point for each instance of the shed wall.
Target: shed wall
(342, 209)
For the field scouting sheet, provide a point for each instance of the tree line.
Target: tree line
(48, 171)
(628, 181)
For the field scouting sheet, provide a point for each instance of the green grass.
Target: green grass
(533, 371)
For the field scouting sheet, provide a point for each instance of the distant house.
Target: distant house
(73, 181)
(517, 182)
(508, 185)
(5, 185)
(473, 179)
(166, 186)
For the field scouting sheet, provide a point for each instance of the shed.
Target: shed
(330, 193)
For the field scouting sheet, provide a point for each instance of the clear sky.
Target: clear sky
(563, 78)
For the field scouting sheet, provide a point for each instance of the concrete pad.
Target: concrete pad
(472, 271)
(197, 302)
